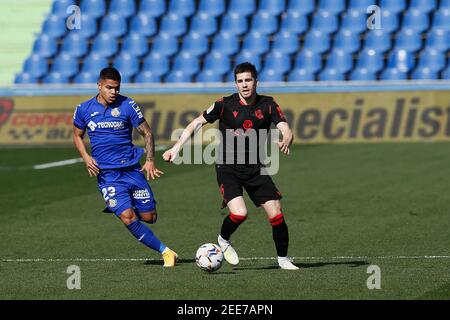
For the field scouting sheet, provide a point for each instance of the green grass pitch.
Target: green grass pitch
(347, 207)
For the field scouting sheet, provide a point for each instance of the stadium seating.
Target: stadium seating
(203, 40)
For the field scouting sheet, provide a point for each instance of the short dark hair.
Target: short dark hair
(246, 67)
(111, 74)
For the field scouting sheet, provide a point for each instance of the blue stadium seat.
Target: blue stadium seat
(371, 60)
(204, 23)
(416, 20)
(424, 74)
(143, 24)
(270, 75)
(186, 62)
(347, 40)
(135, 44)
(54, 26)
(124, 8)
(264, 22)
(95, 8)
(309, 61)
(88, 26)
(302, 6)
(45, 46)
(242, 7)
(402, 60)
(360, 5)
(75, 45)
(390, 21)
(212, 7)
(174, 24)
(184, 8)
(235, 23)
(331, 75)
(300, 75)
(105, 45)
(325, 21)
(208, 76)
(226, 42)
(257, 42)
(294, 22)
(441, 19)
(157, 63)
(165, 44)
(114, 25)
(178, 76)
(55, 78)
(217, 61)
(395, 6)
(65, 64)
(333, 6)
(409, 40)
(35, 65)
(432, 59)
(317, 41)
(286, 42)
(445, 4)
(60, 7)
(446, 73)
(248, 56)
(273, 7)
(438, 39)
(24, 78)
(393, 74)
(127, 64)
(362, 74)
(86, 77)
(147, 77)
(94, 63)
(277, 61)
(425, 6)
(195, 43)
(152, 8)
(378, 40)
(340, 60)
(354, 20)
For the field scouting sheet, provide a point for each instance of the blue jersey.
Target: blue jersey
(110, 131)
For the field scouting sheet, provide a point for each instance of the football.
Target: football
(209, 257)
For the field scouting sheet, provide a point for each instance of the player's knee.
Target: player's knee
(149, 217)
(128, 216)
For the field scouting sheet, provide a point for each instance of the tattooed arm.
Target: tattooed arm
(149, 165)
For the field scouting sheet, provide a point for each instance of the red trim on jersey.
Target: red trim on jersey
(270, 109)
(278, 219)
(236, 218)
(221, 112)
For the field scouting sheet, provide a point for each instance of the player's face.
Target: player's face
(109, 90)
(246, 85)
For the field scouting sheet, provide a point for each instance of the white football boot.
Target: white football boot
(286, 264)
(228, 252)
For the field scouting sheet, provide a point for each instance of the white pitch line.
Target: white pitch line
(75, 160)
(249, 258)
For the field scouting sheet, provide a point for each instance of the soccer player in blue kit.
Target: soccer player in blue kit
(109, 119)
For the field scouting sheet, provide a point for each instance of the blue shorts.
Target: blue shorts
(125, 188)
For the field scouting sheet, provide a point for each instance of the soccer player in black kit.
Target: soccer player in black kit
(237, 168)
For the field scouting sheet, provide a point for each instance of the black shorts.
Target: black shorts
(232, 179)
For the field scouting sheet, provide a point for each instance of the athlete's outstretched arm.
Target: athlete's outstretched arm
(149, 165)
(190, 130)
(288, 137)
(91, 164)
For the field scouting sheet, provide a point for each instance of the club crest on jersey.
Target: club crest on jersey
(248, 124)
(112, 203)
(259, 114)
(115, 112)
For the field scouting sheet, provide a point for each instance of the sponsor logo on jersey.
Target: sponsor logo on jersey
(259, 114)
(94, 114)
(141, 194)
(235, 113)
(115, 125)
(248, 124)
(136, 108)
(115, 112)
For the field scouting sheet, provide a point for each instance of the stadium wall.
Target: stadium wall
(317, 113)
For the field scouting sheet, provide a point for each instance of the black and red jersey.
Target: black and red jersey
(242, 126)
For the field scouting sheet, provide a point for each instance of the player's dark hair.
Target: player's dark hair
(111, 74)
(246, 67)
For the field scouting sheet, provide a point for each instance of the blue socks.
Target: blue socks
(143, 233)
